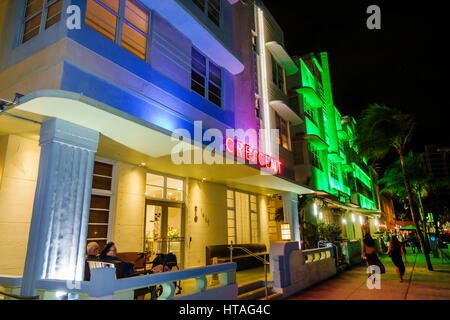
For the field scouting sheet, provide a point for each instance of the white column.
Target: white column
(58, 230)
(290, 209)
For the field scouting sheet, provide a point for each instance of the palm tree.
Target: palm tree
(392, 183)
(381, 129)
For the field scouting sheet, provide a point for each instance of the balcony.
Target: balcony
(312, 95)
(335, 157)
(286, 112)
(353, 157)
(343, 135)
(314, 140)
(282, 57)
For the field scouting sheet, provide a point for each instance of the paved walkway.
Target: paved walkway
(419, 283)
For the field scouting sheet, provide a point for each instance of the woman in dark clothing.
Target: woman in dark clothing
(395, 251)
(110, 253)
(369, 252)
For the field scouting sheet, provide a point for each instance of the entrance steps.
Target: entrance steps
(255, 290)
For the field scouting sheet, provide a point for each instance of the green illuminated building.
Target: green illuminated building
(325, 151)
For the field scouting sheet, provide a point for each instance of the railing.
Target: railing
(318, 254)
(104, 285)
(10, 286)
(263, 260)
(17, 297)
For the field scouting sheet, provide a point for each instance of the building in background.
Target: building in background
(326, 155)
(437, 161)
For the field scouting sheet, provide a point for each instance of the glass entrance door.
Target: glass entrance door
(164, 229)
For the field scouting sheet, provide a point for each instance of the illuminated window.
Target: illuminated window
(164, 188)
(211, 8)
(242, 216)
(34, 11)
(101, 200)
(135, 29)
(103, 17)
(282, 127)
(206, 78)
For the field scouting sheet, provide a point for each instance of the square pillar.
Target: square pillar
(290, 210)
(58, 230)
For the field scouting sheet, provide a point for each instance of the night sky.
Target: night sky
(403, 65)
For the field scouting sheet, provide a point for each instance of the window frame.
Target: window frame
(165, 188)
(315, 158)
(279, 125)
(278, 71)
(250, 211)
(43, 20)
(111, 194)
(207, 79)
(121, 20)
(334, 171)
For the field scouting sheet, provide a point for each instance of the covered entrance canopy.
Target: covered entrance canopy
(129, 139)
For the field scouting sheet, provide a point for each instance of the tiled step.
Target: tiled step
(255, 294)
(273, 296)
(249, 286)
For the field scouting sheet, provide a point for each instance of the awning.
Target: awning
(282, 57)
(128, 139)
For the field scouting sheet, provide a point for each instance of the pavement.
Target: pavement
(419, 283)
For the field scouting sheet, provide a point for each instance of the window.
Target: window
(206, 78)
(231, 217)
(310, 114)
(315, 159)
(242, 217)
(35, 10)
(333, 171)
(104, 15)
(164, 188)
(211, 8)
(277, 74)
(257, 107)
(100, 208)
(135, 29)
(282, 127)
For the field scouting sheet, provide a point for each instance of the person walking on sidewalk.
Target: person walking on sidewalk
(369, 252)
(395, 251)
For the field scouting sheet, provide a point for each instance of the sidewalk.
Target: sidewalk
(419, 283)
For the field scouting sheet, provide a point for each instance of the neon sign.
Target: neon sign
(244, 151)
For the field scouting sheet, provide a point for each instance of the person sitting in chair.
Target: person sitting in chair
(92, 250)
(92, 254)
(109, 253)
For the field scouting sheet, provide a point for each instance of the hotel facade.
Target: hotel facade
(97, 89)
